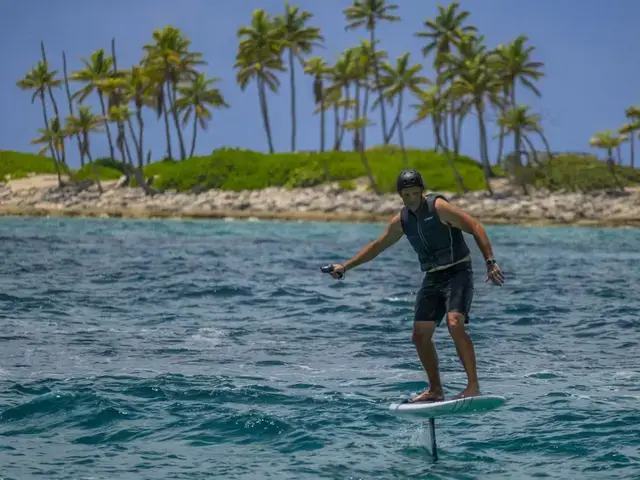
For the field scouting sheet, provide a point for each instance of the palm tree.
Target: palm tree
(86, 122)
(169, 57)
(513, 64)
(70, 103)
(82, 125)
(608, 140)
(52, 137)
(357, 68)
(54, 104)
(519, 121)
(138, 88)
(195, 98)
(115, 88)
(633, 114)
(356, 126)
(297, 38)
(475, 79)
(397, 79)
(317, 67)
(342, 75)
(369, 13)
(628, 130)
(119, 115)
(96, 69)
(39, 79)
(431, 106)
(366, 60)
(257, 58)
(443, 34)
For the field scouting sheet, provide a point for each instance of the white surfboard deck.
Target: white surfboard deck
(460, 406)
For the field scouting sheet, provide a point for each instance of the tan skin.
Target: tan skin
(423, 331)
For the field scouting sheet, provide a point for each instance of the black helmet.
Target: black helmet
(409, 178)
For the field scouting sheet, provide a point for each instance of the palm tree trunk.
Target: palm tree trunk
(365, 108)
(262, 97)
(62, 157)
(141, 130)
(501, 108)
(195, 134)
(336, 127)
(392, 131)
(526, 141)
(174, 114)
(70, 102)
(292, 79)
(447, 154)
(445, 130)
(367, 169)
(84, 145)
(457, 130)
(632, 142)
(134, 137)
(376, 71)
(322, 126)
(167, 127)
(125, 141)
(405, 160)
(345, 113)
(619, 152)
(104, 114)
(454, 138)
(612, 168)
(516, 133)
(356, 131)
(52, 149)
(484, 151)
(500, 145)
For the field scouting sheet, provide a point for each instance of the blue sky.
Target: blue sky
(589, 48)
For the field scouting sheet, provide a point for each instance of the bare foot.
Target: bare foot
(429, 396)
(468, 392)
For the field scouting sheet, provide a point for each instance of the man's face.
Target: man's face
(412, 197)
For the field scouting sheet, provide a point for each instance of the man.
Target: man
(434, 227)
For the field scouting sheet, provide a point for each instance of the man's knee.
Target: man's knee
(455, 322)
(422, 331)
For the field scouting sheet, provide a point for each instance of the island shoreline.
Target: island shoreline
(40, 196)
(290, 216)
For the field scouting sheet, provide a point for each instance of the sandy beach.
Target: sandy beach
(39, 195)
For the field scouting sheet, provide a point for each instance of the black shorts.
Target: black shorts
(449, 290)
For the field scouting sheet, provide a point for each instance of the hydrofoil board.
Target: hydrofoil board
(443, 408)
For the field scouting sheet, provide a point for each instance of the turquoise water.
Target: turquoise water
(191, 350)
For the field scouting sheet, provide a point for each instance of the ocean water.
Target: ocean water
(210, 349)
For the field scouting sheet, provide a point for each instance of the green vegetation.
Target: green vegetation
(233, 169)
(474, 82)
(18, 165)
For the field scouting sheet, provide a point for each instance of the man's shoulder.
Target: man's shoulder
(436, 195)
(435, 199)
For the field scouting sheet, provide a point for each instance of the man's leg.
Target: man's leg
(459, 294)
(429, 310)
(423, 340)
(466, 353)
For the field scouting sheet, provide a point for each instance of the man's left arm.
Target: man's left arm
(456, 217)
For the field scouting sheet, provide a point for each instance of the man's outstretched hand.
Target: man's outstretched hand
(336, 270)
(494, 274)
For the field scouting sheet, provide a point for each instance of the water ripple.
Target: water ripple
(185, 349)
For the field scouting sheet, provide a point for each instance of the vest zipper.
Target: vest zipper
(424, 241)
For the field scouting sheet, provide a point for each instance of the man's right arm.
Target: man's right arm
(391, 235)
